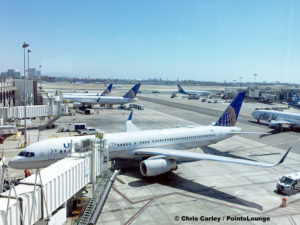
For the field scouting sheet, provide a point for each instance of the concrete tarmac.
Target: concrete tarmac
(201, 192)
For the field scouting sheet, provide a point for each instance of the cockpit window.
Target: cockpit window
(21, 153)
(26, 154)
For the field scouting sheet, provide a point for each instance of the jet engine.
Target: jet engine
(156, 166)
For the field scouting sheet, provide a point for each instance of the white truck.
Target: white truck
(288, 183)
(88, 131)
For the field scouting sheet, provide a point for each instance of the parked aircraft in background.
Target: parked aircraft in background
(159, 150)
(104, 93)
(198, 93)
(277, 119)
(295, 99)
(83, 101)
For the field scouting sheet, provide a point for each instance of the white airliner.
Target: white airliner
(276, 118)
(159, 150)
(197, 93)
(84, 101)
(104, 93)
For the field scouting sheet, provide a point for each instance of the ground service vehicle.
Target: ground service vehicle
(289, 182)
(88, 131)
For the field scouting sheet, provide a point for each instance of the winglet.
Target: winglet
(129, 126)
(98, 100)
(130, 116)
(283, 158)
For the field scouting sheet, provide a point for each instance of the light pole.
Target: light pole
(255, 75)
(28, 51)
(25, 45)
(40, 77)
(1, 98)
(28, 74)
(240, 77)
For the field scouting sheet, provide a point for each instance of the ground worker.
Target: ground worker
(27, 173)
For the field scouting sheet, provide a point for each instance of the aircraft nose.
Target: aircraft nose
(13, 163)
(254, 114)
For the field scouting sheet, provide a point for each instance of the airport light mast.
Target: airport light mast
(255, 75)
(40, 77)
(25, 45)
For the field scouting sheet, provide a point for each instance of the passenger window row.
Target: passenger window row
(167, 139)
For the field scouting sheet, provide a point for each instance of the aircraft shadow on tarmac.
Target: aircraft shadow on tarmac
(275, 130)
(175, 181)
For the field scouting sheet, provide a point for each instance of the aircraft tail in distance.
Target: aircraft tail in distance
(294, 97)
(107, 90)
(132, 92)
(180, 90)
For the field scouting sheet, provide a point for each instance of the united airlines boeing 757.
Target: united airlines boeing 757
(88, 101)
(159, 149)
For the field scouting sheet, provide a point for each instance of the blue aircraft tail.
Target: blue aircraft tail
(130, 116)
(230, 115)
(132, 92)
(294, 97)
(180, 89)
(107, 90)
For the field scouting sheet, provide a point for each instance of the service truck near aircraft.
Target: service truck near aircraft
(289, 183)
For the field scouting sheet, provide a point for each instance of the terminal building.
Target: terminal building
(7, 93)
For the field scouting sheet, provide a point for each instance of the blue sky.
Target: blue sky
(212, 40)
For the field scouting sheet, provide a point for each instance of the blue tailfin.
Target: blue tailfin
(294, 97)
(230, 115)
(130, 116)
(180, 89)
(132, 92)
(107, 90)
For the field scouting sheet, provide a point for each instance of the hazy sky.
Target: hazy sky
(213, 40)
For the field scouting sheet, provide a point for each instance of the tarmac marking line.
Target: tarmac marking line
(292, 220)
(150, 200)
(139, 212)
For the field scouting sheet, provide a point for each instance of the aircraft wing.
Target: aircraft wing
(187, 155)
(129, 126)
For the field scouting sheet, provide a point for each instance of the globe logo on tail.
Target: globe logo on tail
(130, 94)
(228, 118)
(294, 96)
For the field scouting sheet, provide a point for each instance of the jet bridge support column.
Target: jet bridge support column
(93, 165)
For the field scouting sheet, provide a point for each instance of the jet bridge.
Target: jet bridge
(43, 195)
